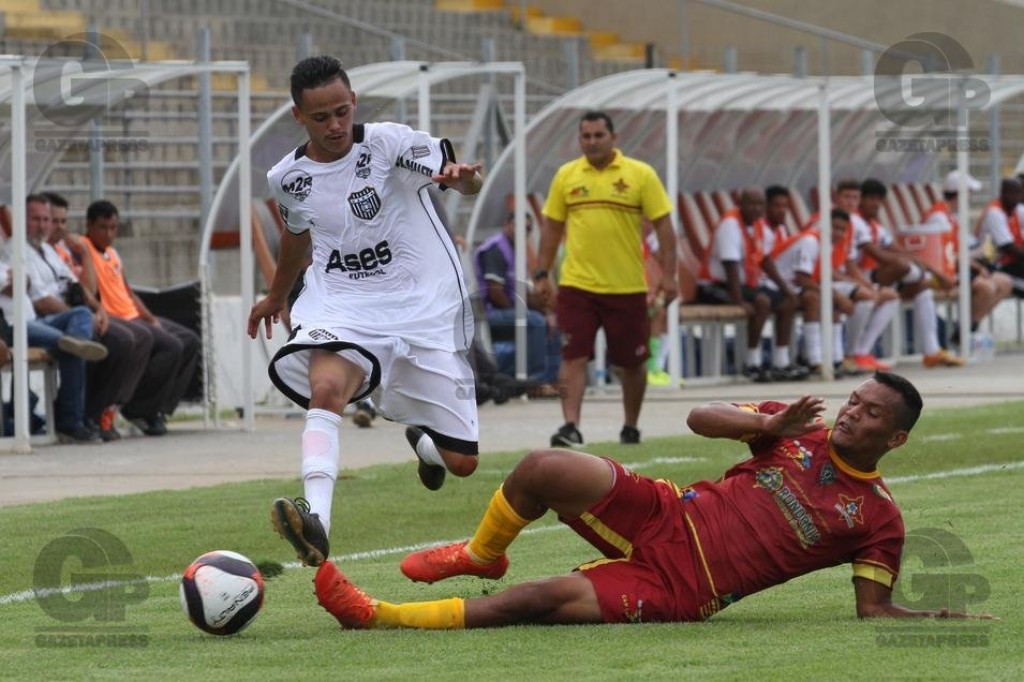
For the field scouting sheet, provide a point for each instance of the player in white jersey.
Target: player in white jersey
(874, 307)
(384, 308)
(887, 265)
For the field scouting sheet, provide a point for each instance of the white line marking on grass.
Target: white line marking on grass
(941, 437)
(1006, 429)
(664, 460)
(26, 595)
(955, 473)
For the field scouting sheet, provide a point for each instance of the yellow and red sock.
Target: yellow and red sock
(446, 614)
(498, 528)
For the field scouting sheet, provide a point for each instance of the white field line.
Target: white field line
(26, 595)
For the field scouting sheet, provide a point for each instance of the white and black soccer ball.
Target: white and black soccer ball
(221, 592)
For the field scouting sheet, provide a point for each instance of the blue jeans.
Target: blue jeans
(543, 351)
(45, 332)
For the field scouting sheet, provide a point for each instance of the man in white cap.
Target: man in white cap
(987, 287)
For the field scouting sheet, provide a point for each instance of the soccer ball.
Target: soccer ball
(221, 592)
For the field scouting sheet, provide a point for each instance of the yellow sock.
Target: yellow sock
(447, 614)
(498, 528)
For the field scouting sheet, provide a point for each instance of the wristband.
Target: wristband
(540, 274)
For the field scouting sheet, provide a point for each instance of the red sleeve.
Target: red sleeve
(759, 443)
(880, 559)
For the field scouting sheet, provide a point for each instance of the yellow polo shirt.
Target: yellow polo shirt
(603, 212)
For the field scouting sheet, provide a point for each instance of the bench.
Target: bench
(40, 361)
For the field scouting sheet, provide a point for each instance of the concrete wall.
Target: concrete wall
(981, 26)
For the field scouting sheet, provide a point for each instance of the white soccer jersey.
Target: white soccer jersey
(728, 244)
(995, 224)
(383, 263)
(800, 256)
(863, 234)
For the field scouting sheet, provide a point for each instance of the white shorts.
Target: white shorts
(425, 387)
(844, 287)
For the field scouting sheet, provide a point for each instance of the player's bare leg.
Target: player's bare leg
(572, 377)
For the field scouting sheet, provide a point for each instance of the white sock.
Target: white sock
(426, 449)
(838, 351)
(812, 342)
(320, 455)
(754, 357)
(925, 331)
(881, 316)
(663, 352)
(857, 323)
(780, 356)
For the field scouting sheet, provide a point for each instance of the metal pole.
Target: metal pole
(729, 59)
(144, 28)
(19, 191)
(489, 141)
(825, 228)
(96, 160)
(205, 127)
(305, 48)
(424, 99)
(995, 133)
(800, 62)
(675, 353)
(963, 216)
(245, 244)
(398, 55)
(519, 187)
(684, 35)
(572, 63)
(867, 62)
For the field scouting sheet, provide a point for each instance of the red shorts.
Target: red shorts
(623, 316)
(651, 573)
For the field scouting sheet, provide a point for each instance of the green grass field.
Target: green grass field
(805, 629)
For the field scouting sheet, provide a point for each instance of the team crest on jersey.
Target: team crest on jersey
(620, 186)
(420, 151)
(363, 165)
(297, 183)
(365, 203)
(321, 335)
(827, 475)
(849, 509)
(769, 478)
(579, 191)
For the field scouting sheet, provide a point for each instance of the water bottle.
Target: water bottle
(983, 347)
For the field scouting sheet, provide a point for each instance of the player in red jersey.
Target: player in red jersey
(809, 497)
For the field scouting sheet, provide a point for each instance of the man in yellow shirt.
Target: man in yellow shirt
(597, 203)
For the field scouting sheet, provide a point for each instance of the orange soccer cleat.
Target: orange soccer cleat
(942, 358)
(870, 363)
(351, 606)
(438, 563)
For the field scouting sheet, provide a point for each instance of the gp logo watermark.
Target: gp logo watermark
(920, 84)
(83, 580)
(70, 92)
(937, 574)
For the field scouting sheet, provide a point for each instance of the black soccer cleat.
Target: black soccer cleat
(431, 475)
(629, 435)
(293, 521)
(567, 436)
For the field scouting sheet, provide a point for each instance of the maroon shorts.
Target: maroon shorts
(623, 316)
(651, 570)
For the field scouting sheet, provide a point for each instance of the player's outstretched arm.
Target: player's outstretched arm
(290, 259)
(725, 420)
(463, 177)
(874, 600)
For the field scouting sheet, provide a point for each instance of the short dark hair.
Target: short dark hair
(101, 208)
(912, 403)
(599, 116)
(873, 188)
(773, 191)
(841, 214)
(847, 184)
(56, 199)
(949, 196)
(37, 199)
(313, 72)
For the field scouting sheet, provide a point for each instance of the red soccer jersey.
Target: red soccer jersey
(792, 508)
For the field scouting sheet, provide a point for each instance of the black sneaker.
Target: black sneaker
(789, 373)
(82, 436)
(364, 415)
(567, 436)
(759, 375)
(629, 435)
(150, 426)
(293, 522)
(431, 475)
